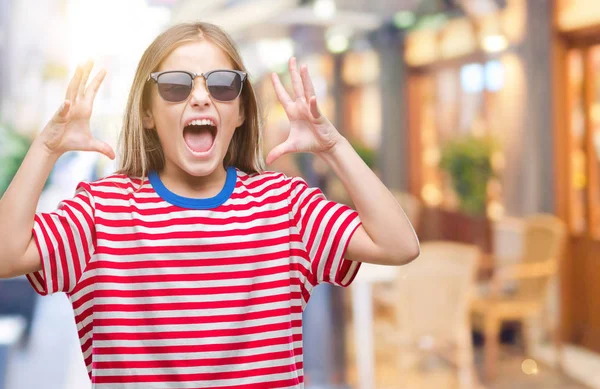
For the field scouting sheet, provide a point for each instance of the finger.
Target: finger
(103, 148)
(309, 89)
(296, 79)
(278, 151)
(280, 91)
(63, 110)
(84, 78)
(92, 89)
(74, 84)
(314, 108)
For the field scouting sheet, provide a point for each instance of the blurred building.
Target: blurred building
(576, 117)
(527, 74)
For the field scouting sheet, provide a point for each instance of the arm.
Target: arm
(386, 236)
(19, 254)
(67, 130)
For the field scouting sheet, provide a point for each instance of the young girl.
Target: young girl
(191, 266)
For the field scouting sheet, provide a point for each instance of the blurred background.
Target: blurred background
(482, 116)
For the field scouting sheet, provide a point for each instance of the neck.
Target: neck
(184, 184)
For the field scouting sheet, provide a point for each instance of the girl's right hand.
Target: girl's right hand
(69, 129)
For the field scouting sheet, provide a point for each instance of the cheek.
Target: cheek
(233, 116)
(167, 131)
(166, 117)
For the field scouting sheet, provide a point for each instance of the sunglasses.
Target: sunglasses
(176, 86)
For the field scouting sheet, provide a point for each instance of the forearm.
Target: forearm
(383, 218)
(18, 205)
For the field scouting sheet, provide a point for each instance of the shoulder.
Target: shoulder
(279, 186)
(270, 180)
(114, 183)
(264, 180)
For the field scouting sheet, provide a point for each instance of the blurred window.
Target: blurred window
(578, 155)
(451, 101)
(583, 75)
(471, 78)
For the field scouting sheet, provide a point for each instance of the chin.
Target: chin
(200, 169)
(200, 166)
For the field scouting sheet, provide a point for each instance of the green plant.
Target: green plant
(468, 162)
(13, 148)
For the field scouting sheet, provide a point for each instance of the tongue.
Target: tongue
(198, 140)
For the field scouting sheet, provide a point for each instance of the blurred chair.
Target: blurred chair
(543, 240)
(507, 243)
(432, 299)
(507, 236)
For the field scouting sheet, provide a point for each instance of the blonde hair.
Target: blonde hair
(140, 149)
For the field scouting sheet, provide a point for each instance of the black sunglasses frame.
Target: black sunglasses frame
(155, 75)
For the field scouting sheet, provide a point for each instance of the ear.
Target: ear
(147, 119)
(241, 117)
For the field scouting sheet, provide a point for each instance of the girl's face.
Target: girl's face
(196, 150)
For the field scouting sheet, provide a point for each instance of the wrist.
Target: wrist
(41, 148)
(340, 143)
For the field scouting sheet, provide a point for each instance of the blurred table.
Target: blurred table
(362, 306)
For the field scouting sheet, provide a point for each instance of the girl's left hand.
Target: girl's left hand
(309, 130)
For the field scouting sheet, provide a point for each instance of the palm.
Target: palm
(77, 128)
(309, 130)
(69, 129)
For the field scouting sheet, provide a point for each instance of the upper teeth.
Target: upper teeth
(201, 122)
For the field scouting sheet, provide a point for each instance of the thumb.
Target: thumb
(103, 148)
(278, 151)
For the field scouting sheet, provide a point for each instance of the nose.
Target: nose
(200, 96)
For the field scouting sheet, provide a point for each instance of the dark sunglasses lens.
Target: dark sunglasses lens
(174, 87)
(224, 86)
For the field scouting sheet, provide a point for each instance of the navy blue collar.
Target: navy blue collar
(188, 202)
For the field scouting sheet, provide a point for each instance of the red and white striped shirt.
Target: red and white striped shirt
(174, 292)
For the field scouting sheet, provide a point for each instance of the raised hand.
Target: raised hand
(310, 131)
(69, 128)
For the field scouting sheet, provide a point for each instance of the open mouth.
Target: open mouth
(200, 135)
